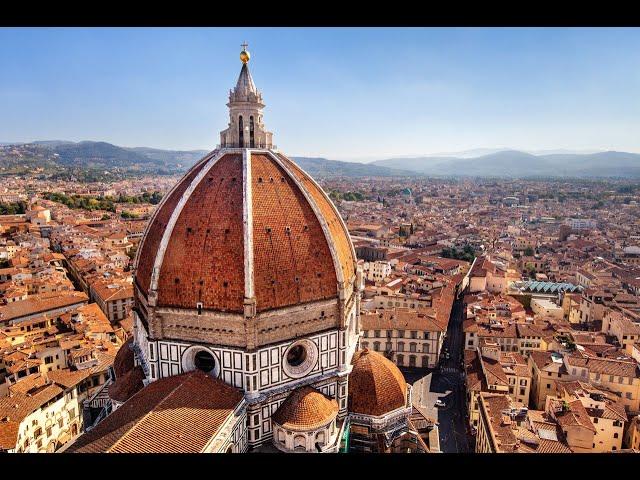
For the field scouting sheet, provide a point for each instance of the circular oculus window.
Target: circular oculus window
(300, 358)
(200, 358)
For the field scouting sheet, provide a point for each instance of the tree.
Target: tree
(528, 252)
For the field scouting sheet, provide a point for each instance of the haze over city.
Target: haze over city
(373, 92)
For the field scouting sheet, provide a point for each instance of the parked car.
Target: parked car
(439, 403)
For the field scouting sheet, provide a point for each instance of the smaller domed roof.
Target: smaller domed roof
(376, 385)
(127, 385)
(124, 361)
(305, 409)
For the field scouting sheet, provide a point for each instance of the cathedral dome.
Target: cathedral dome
(305, 409)
(376, 385)
(244, 226)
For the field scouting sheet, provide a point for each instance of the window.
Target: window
(615, 435)
(251, 138)
(401, 346)
(412, 347)
(425, 348)
(204, 361)
(376, 346)
(299, 443)
(412, 361)
(426, 335)
(414, 334)
(376, 333)
(595, 420)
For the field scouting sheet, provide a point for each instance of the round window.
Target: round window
(296, 355)
(300, 358)
(200, 358)
(204, 361)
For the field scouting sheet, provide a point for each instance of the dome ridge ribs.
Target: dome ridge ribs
(318, 214)
(143, 272)
(166, 236)
(281, 250)
(301, 177)
(247, 220)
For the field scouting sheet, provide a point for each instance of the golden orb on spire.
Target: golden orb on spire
(244, 54)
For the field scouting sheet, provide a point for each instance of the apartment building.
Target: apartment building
(410, 338)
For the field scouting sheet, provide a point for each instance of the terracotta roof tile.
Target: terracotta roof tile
(127, 385)
(305, 409)
(292, 260)
(208, 232)
(376, 385)
(178, 414)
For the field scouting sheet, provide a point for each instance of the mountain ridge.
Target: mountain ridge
(515, 163)
(61, 157)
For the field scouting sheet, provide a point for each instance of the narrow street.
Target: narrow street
(446, 383)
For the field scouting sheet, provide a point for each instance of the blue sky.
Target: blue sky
(348, 93)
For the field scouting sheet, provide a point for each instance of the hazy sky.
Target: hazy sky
(333, 92)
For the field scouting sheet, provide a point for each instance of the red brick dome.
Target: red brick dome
(376, 385)
(241, 225)
(305, 409)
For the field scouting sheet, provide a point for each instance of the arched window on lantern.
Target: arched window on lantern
(252, 142)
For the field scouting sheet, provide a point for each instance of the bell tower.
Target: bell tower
(246, 129)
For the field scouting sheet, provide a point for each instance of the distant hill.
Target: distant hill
(99, 155)
(180, 158)
(514, 163)
(90, 161)
(321, 167)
